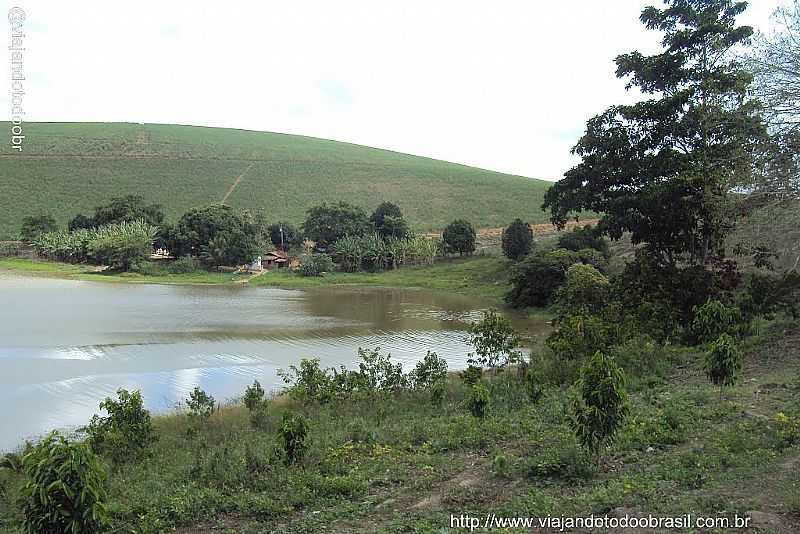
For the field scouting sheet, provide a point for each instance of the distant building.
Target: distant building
(275, 258)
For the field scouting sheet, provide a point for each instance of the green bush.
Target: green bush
(471, 375)
(601, 405)
(200, 404)
(33, 227)
(723, 362)
(517, 240)
(257, 405)
(580, 238)
(579, 336)
(294, 434)
(185, 265)
(309, 382)
(126, 431)
(713, 319)
(533, 387)
(478, 400)
(316, 264)
(459, 236)
(429, 372)
(253, 395)
(534, 280)
(65, 489)
(378, 373)
(585, 290)
(495, 341)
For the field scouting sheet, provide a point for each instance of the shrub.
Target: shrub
(723, 362)
(253, 395)
(429, 372)
(309, 382)
(315, 264)
(33, 227)
(788, 429)
(713, 319)
(585, 290)
(535, 279)
(122, 245)
(65, 491)
(671, 290)
(378, 373)
(257, 405)
(478, 400)
(601, 404)
(471, 375)
(533, 388)
(459, 236)
(388, 221)
(578, 336)
(495, 341)
(184, 265)
(580, 238)
(517, 240)
(119, 245)
(294, 433)
(126, 431)
(200, 404)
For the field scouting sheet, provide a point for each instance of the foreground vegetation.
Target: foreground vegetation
(407, 460)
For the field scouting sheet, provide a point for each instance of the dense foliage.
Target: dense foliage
(662, 168)
(284, 235)
(495, 341)
(65, 491)
(459, 236)
(601, 404)
(328, 223)
(117, 245)
(34, 227)
(126, 431)
(389, 222)
(128, 208)
(723, 363)
(219, 234)
(584, 237)
(517, 239)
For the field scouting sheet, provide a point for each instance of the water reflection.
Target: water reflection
(65, 345)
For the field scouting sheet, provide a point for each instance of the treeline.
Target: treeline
(216, 235)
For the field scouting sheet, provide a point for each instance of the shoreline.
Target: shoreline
(477, 276)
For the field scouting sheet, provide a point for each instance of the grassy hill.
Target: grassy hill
(67, 168)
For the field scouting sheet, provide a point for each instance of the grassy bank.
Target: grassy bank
(480, 276)
(401, 464)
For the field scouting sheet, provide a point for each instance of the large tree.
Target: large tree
(327, 223)
(218, 233)
(388, 221)
(662, 169)
(33, 227)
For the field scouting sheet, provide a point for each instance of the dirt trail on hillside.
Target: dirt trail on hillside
(235, 183)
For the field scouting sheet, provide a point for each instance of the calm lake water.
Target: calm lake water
(65, 345)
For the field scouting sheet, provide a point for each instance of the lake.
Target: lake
(65, 345)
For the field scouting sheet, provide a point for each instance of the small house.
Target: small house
(275, 258)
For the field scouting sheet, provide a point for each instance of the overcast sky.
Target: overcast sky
(502, 85)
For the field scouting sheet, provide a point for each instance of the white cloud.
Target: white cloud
(506, 85)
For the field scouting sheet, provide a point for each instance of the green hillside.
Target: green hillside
(68, 168)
